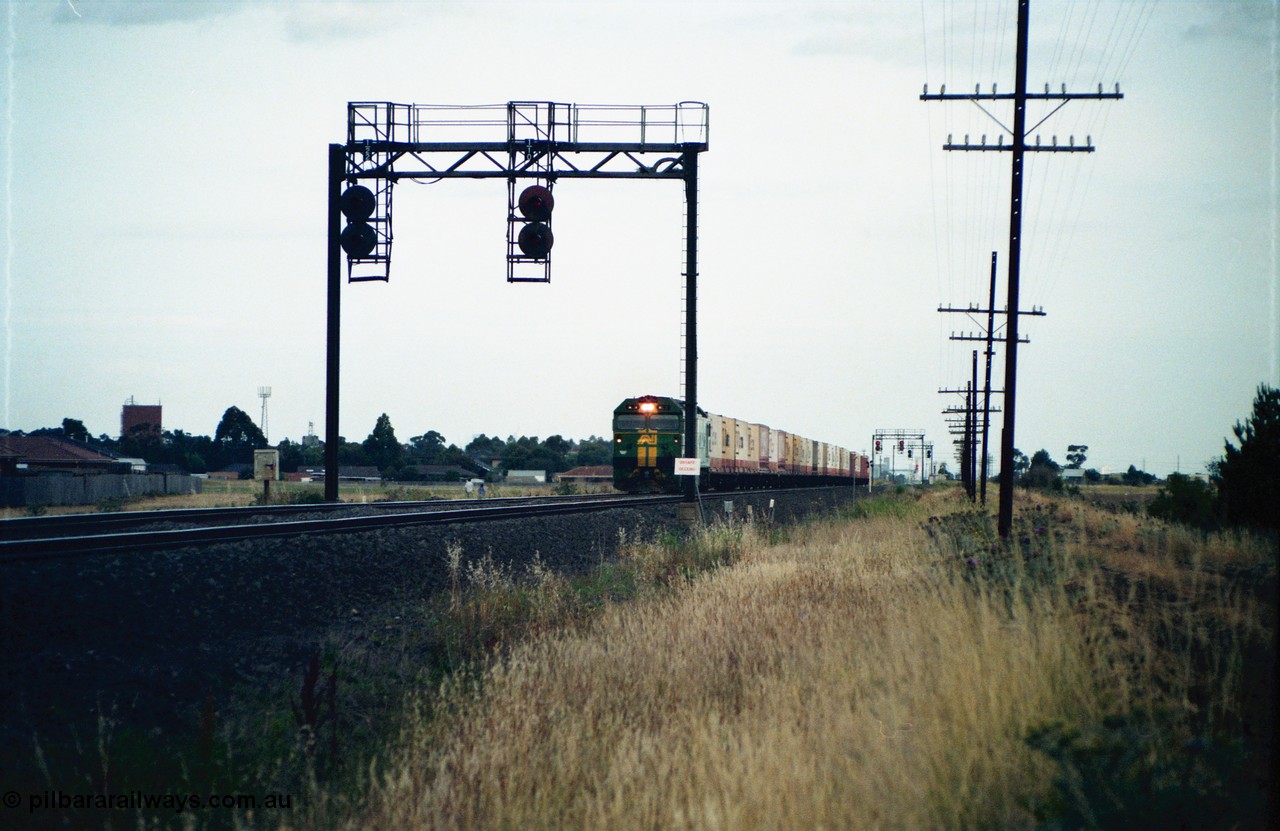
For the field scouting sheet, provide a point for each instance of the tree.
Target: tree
(351, 454)
(74, 429)
(290, 456)
(236, 438)
(485, 448)
(427, 449)
(1250, 474)
(594, 451)
(1075, 455)
(143, 442)
(382, 448)
(1043, 470)
(1133, 476)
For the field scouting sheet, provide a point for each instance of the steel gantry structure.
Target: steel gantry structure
(905, 441)
(537, 141)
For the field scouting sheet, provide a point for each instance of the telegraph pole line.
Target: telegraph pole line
(1018, 147)
(986, 396)
(988, 337)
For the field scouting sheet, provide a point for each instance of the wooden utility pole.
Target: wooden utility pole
(1018, 147)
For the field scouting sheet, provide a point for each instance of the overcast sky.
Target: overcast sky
(165, 176)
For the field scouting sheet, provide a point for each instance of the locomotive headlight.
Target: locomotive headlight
(648, 407)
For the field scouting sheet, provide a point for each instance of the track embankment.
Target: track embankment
(148, 636)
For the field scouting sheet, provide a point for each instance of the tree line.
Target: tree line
(1243, 487)
(237, 436)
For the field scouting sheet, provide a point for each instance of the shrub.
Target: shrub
(1186, 500)
(1140, 769)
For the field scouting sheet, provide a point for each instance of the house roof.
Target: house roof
(50, 451)
(589, 470)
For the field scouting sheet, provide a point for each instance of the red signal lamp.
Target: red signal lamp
(536, 203)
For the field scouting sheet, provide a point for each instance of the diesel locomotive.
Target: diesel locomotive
(648, 436)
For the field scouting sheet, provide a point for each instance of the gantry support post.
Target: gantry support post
(691, 319)
(337, 168)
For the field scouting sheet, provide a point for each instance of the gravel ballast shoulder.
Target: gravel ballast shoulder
(148, 635)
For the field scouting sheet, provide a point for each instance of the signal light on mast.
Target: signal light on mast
(535, 238)
(357, 204)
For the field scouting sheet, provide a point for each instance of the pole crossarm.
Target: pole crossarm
(978, 95)
(1037, 147)
(983, 338)
(965, 392)
(1035, 310)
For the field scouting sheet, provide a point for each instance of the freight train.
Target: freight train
(648, 432)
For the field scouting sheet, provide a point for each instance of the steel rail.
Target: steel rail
(33, 527)
(61, 547)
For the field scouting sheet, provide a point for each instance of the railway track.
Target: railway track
(40, 538)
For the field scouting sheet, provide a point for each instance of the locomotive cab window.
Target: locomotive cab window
(664, 422)
(628, 422)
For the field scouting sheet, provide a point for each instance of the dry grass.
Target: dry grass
(864, 674)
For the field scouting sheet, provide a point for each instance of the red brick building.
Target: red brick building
(139, 417)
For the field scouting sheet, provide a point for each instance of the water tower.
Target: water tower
(264, 393)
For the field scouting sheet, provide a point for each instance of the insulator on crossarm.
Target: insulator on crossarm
(1099, 89)
(1117, 87)
(993, 89)
(944, 90)
(1055, 141)
(949, 141)
(1064, 89)
(1037, 141)
(1046, 89)
(1000, 140)
(984, 139)
(1071, 141)
(977, 89)
(966, 138)
(1088, 141)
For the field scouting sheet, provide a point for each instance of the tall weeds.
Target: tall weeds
(888, 671)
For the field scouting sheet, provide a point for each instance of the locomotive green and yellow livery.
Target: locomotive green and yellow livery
(648, 436)
(649, 433)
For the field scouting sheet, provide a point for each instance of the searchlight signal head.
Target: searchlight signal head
(535, 238)
(536, 203)
(357, 204)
